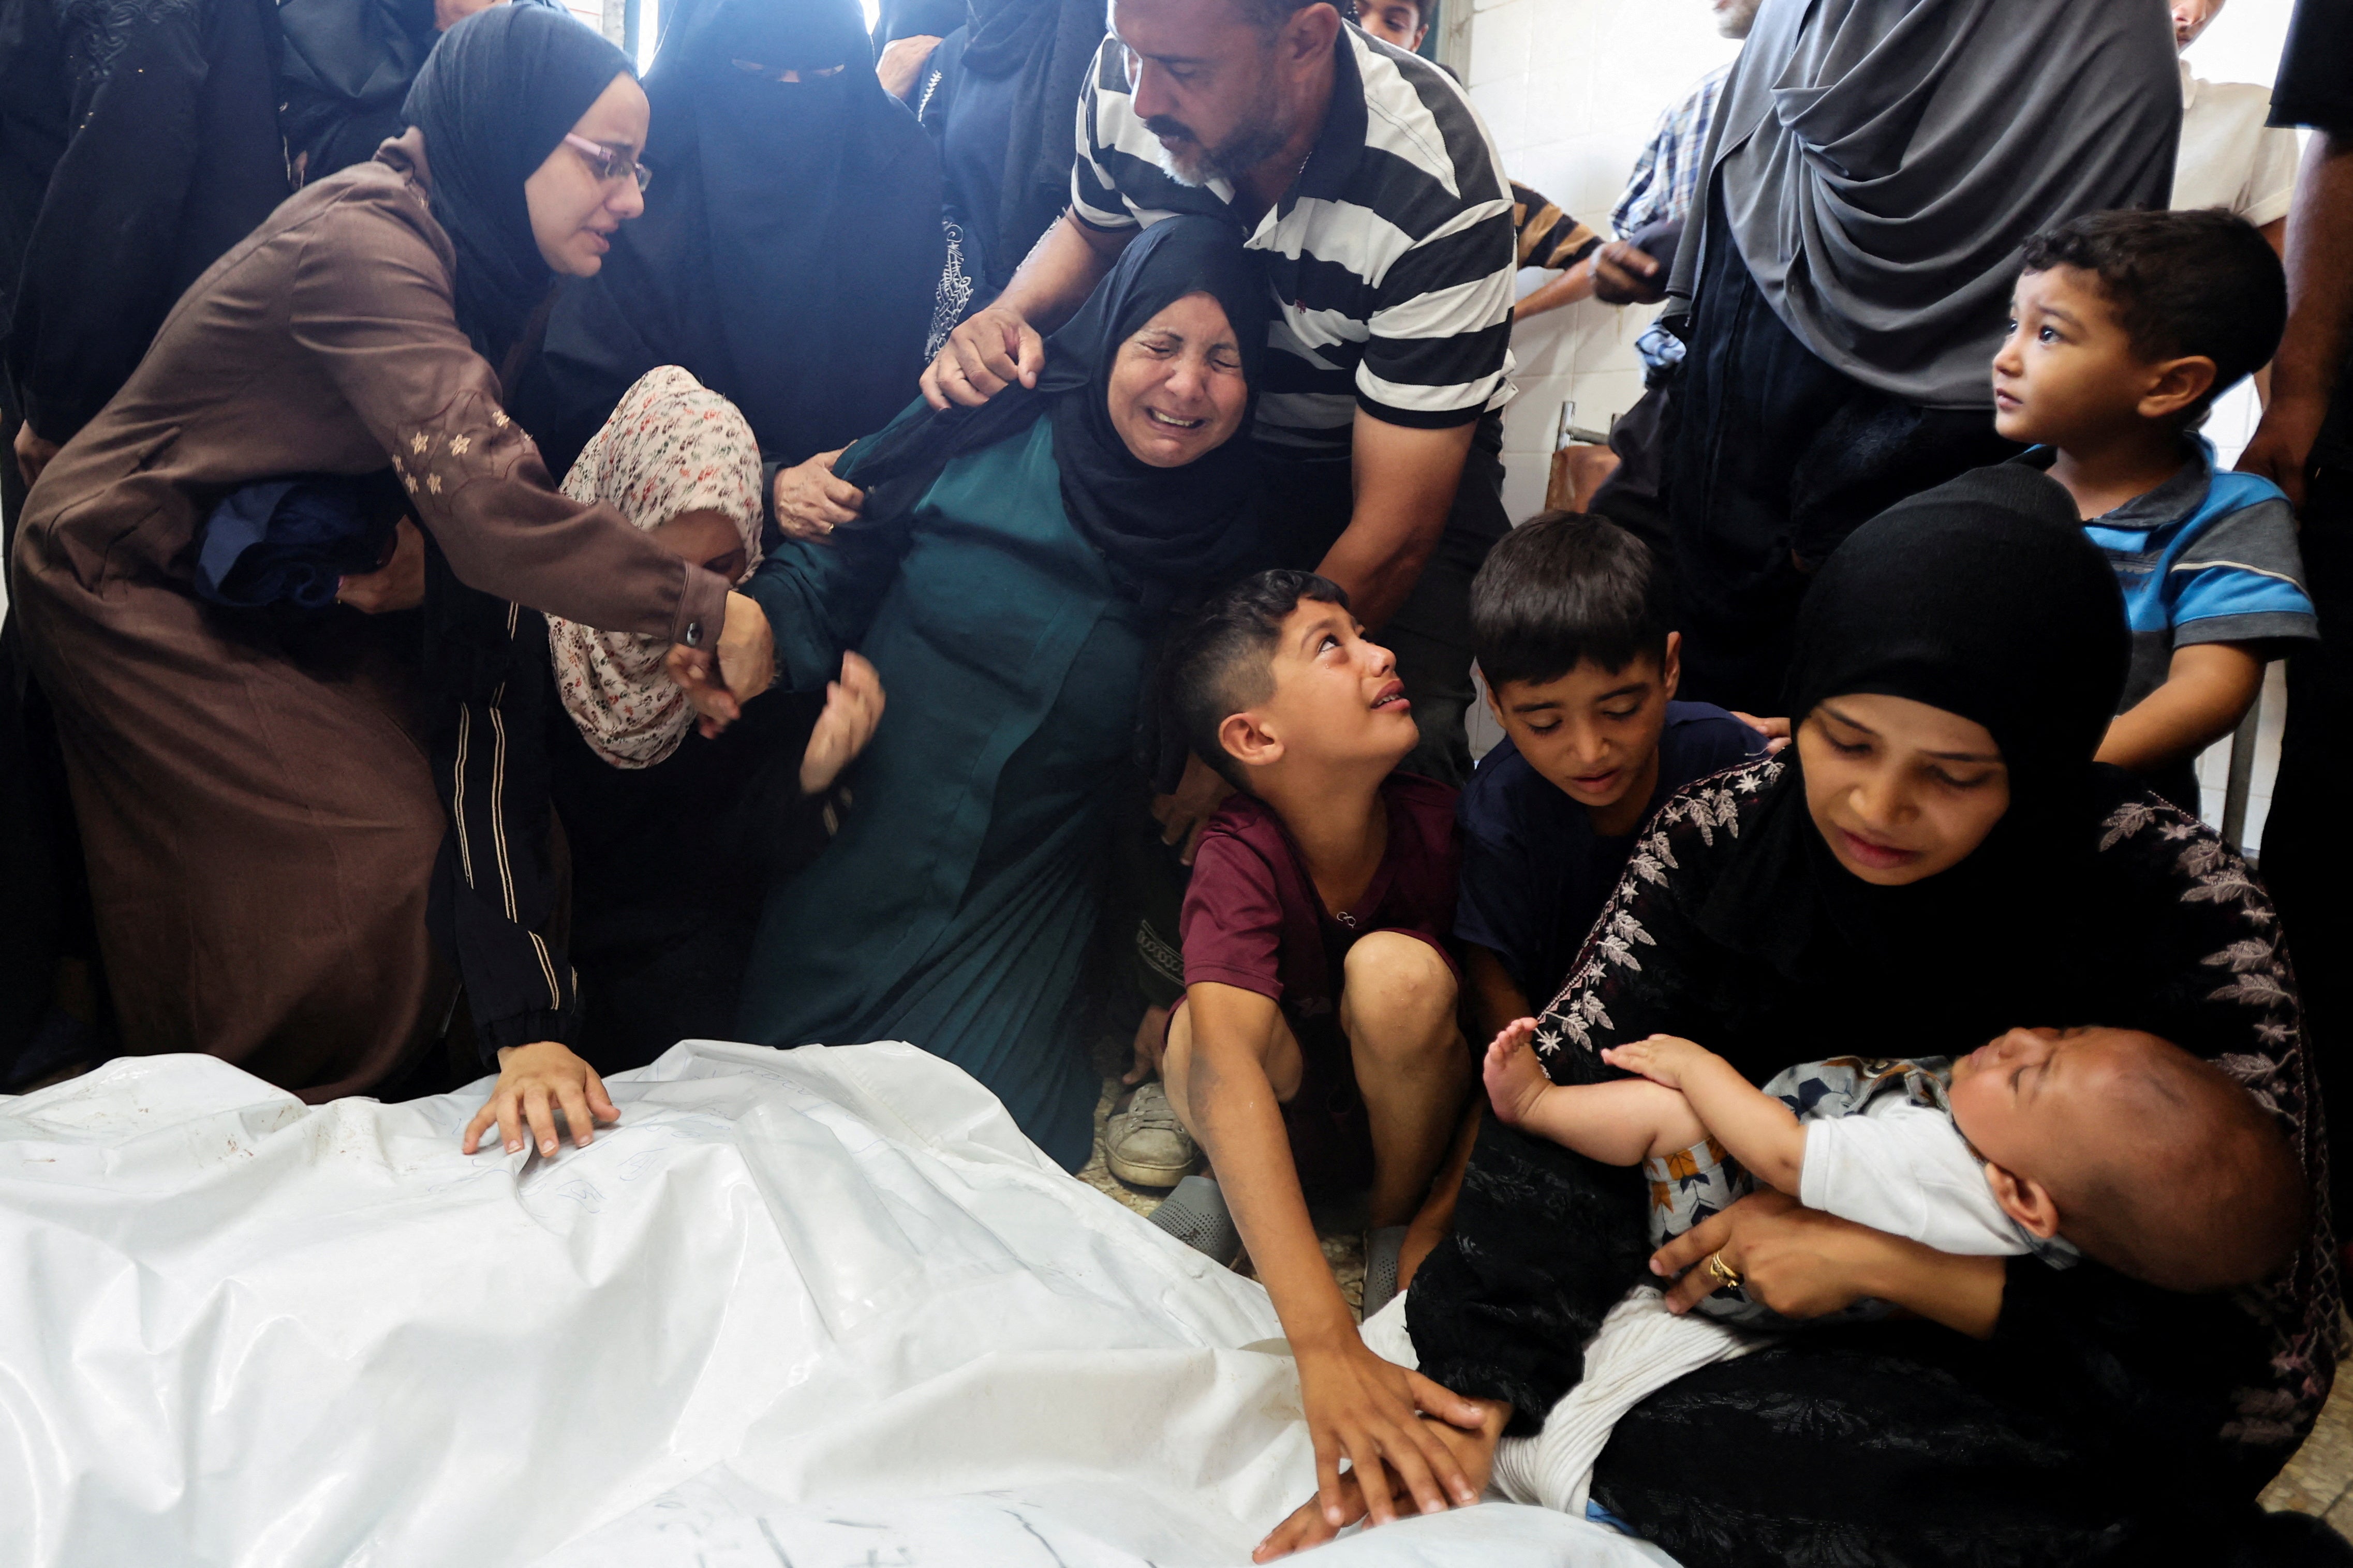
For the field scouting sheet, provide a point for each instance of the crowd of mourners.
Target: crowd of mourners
(980, 532)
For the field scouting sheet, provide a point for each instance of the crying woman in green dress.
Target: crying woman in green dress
(1007, 573)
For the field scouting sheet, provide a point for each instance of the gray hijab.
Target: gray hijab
(1883, 161)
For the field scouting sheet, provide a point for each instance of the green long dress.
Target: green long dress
(955, 907)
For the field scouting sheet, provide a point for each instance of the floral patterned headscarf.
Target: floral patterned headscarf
(671, 447)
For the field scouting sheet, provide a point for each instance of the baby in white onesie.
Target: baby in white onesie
(2111, 1142)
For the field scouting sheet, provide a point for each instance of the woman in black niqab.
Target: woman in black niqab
(788, 250)
(2097, 1418)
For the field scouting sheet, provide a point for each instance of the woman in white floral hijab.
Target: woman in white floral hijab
(671, 842)
(677, 459)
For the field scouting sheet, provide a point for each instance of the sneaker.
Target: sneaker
(1382, 1248)
(1196, 1215)
(1146, 1143)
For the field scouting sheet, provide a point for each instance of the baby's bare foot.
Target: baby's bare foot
(1513, 1075)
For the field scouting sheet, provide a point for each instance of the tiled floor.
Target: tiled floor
(2318, 1480)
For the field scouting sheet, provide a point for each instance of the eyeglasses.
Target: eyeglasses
(608, 165)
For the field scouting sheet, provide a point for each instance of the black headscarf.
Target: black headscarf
(1047, 45)
(345, 69)
(790, 246)
(1981, 597)
(1162, 531)
(496, 97)
(915, 19)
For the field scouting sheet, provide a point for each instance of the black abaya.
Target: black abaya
(170, 154)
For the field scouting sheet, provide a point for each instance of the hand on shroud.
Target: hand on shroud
(1470, 1450)
(534, 1080)
(903, 62)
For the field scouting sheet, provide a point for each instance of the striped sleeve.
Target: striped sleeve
(1440, 349)
(1547, 236)
(2241, 580)
(1095, 195)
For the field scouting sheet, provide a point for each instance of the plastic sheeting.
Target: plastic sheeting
(818, 1307)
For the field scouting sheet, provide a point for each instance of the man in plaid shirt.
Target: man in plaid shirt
(1662, 188)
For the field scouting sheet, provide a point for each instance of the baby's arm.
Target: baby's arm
(1622, 1122)
(1754, 1129)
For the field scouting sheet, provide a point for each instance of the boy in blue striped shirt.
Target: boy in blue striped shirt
(2123, 327)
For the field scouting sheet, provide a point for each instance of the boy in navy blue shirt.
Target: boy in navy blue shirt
(1569, 620)
(2123, 327)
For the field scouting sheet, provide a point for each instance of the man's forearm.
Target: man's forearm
(1061, 270)
(2319, 273)
(1574, 284)
(1405, 483)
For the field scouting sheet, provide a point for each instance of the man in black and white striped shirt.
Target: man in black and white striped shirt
(1366, 179)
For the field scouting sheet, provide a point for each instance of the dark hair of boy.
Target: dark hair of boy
(1561, 588)
(1221, 661)
(2199, 282)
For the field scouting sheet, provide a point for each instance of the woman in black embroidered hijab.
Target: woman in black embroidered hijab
(1936, 860)
(788, 250)
(1007, 577)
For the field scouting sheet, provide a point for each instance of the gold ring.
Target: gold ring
(1726, 1275)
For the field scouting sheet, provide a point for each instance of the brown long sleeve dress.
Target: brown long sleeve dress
(261, 836)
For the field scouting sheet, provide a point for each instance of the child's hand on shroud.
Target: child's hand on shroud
(1309, 1525)
(1661, 1058)
(1371, 1412)
(1514, 1077)
(536, 1081)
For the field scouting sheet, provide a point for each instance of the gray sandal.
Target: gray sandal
(1381, 1249)
(1196, 1215)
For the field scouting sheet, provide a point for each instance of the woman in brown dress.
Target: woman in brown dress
(262, 831)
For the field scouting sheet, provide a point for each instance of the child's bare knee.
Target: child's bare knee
(1391, 976)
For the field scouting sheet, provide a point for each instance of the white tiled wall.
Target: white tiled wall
(1571, 89)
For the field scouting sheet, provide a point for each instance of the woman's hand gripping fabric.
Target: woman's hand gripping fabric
(811, 503)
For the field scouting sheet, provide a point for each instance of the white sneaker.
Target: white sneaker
(1146, 1143)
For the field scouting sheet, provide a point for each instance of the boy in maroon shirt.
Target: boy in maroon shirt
(1316, 1048)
